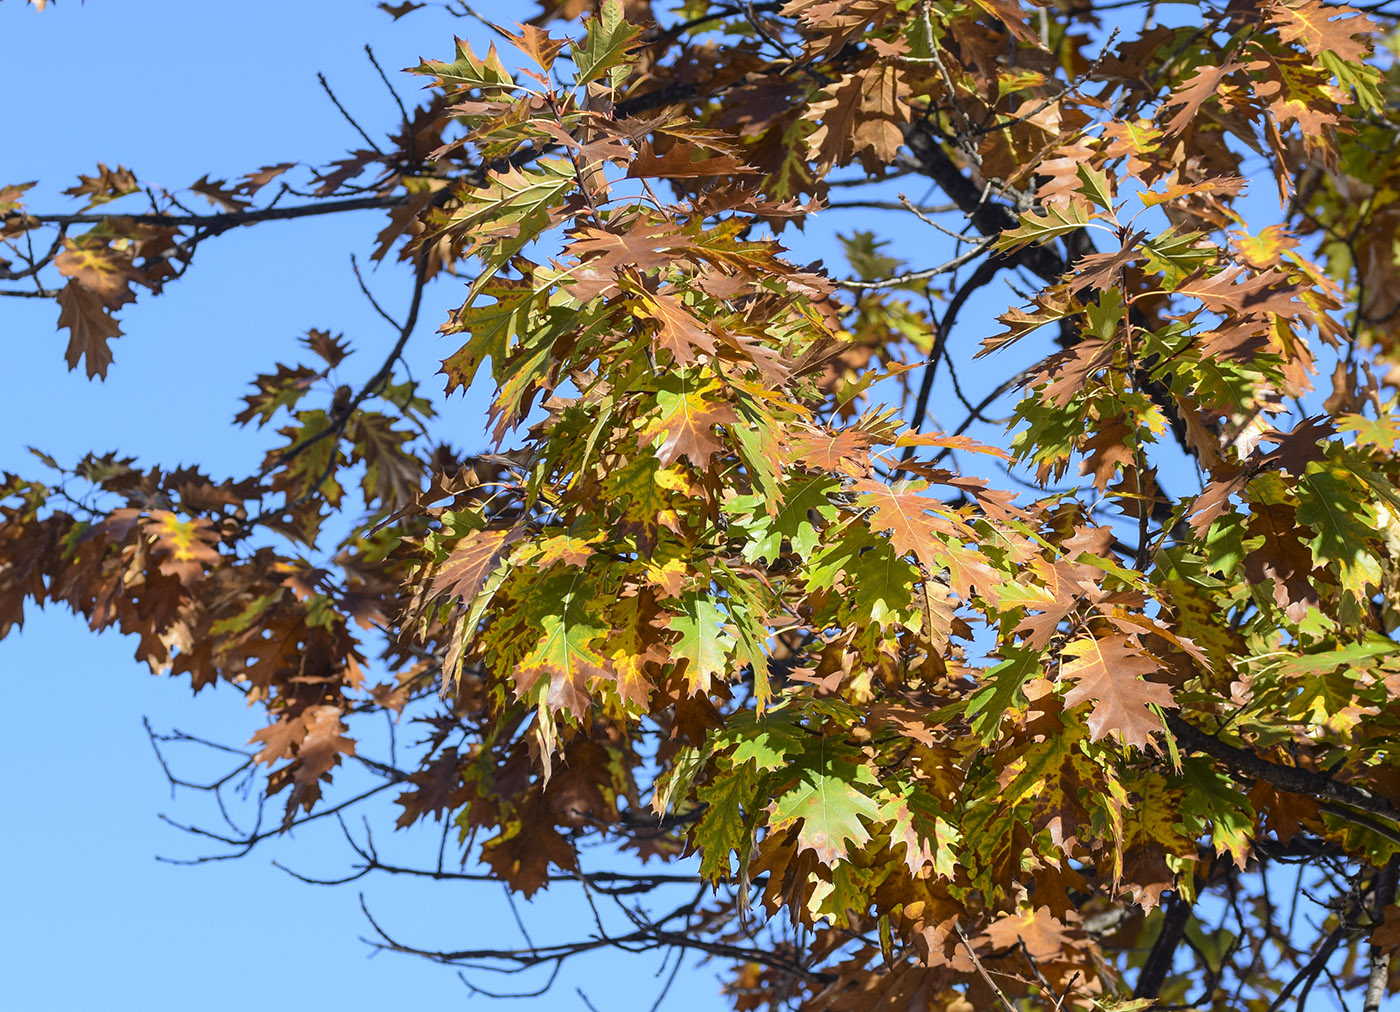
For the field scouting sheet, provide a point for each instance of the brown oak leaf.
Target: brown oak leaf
(90, 327)
(1108, 674)
(1314, 24)
(464, 571)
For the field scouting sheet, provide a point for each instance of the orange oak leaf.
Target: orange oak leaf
(912, 519)
(1106, 451)
(1044, 934)
(108, 184)
(846, 451)
(1202, 85)
(314, 742)
(1315, 24)
(322, 745)
(1107, 673)
(1270, 292)
(1068, 371)
(860, 116)
(686, 427)
(678, 330)
(684, 160)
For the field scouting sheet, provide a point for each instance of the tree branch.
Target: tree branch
(1163, 952)
(1285, 778)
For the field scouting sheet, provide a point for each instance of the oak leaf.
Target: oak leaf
(1386, 936)
(678, 330)
(527, 845)
(565, 658)
(829, 801)
(859, 117)
(686, 423)
(434, 789)
(681, 162)
(100, 268)
(108, 184)
(912, 519)
(1044, 935)
(705, 643)
(185, 548)
(1107, 673)
(845, 451)
(393, 475)
(1282, 559)
(1193, 93)
(218, 193)
(90, 327)
(472, 559)
(397, 11)
(1316, 25)
(1108, 450)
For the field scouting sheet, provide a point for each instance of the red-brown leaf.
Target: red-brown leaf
(90, 327)
(1107, 673)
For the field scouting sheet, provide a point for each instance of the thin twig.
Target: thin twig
(325, 86)
(932, 272)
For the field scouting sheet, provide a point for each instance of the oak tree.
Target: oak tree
(1060, 680)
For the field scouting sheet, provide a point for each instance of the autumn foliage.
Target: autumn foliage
(1032, 682)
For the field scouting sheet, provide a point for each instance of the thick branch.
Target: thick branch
(1379, 975)
(1159, 960)
(1285, 778)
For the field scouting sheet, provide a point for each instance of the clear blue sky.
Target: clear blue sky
(89, 918)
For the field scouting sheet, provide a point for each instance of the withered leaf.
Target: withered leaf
(1107, 450)
(1282, 560)
(1318, 27)
(684, 160)
(218, 193)
(108, 184)
(1270, 292)
(1108, 674)
(282, 389)
(860, 117)
(397, 11)
(1192, 94)
(393, 475)
(104, 271)
(90, 327)
(185, 548)
(464, 572)
(678, 330)
(331, 349)
(1044, 935)
(526, 846)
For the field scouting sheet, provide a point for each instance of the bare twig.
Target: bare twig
(932, 272)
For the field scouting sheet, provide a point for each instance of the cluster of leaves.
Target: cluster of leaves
(724, 594)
